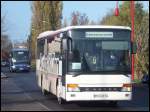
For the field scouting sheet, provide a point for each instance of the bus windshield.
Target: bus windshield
(93, 55)
(21, 55)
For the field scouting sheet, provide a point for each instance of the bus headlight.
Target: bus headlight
(126, 87)
(73, 88)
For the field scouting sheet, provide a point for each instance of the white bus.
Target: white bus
(86, 63)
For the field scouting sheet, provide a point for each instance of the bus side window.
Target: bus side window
(40, 48)
(45, 47)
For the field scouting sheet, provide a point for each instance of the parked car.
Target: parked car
(145, 79)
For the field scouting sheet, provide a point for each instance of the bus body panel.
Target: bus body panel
(38, 72)
(95, 82)
(99, 79)
(46, 79)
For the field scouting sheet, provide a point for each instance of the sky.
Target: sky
(18, 14)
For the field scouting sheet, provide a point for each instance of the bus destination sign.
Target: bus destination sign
(99, 34)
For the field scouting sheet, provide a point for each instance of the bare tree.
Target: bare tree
(46, 16)
(65, 24)
(6, 43)
(74, 18)
(78, 18)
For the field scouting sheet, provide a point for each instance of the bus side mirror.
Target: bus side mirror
(64, 44)
(67, 44)
(134, 48)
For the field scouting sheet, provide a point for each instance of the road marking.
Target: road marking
(27, 95)
(37, 101)
(44, 106)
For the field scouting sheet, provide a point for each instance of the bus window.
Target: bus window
(40, 48)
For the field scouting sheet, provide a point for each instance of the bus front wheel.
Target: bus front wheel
(59, 99)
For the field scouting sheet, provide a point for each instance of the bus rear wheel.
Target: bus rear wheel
(44, 92)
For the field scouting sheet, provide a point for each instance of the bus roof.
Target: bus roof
(50, 33)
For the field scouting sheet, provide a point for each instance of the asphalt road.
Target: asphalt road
(19, 92)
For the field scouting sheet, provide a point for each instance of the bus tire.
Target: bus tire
(59, 99)
(44, 92)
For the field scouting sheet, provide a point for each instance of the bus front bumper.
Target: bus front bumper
(98, 96)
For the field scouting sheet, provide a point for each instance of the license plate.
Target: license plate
(100, 95)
